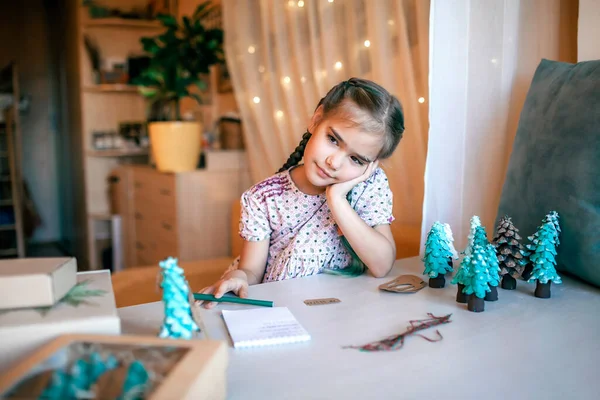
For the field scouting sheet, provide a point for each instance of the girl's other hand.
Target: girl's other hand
(237, 285)
(341, 189)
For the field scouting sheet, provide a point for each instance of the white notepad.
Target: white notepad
(263, 327)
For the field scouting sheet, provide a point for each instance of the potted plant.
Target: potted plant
(179, 57)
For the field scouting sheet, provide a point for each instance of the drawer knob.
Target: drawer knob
(139, 246)
(165, 192)
(167, 226)
(138, 215)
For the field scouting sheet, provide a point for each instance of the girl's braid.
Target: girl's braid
(298, 153)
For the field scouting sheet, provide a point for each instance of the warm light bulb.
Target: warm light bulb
(331, 1)
(338, 65)
(303, 79)
(286, 80)
(251, 49)
(390, 22)
(421, 100)
(279, 114)
(367, 43)
(291, 3)
(300, 3)
(261, 68)
(256, 99)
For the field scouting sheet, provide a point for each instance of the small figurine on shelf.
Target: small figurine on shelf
(511, 253)
(178, 321)
(543, 260)
(438, 256)
(478, 279)
(553, 218)
(475, 222)
(460, 279)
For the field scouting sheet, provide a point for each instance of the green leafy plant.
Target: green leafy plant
(178, 59)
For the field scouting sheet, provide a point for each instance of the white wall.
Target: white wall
(588, 47)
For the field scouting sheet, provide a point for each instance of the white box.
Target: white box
(88, 308)
(35, 282)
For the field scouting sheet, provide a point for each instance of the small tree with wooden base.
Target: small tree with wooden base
(460, 278)
(438, 256)
(553, 218)
(543, 260)
(477, 283)
(511, 253)
(480, 239)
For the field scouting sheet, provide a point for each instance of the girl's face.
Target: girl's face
(338, 152)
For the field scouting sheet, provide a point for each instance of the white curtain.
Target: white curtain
(283, 56)
(483, 55)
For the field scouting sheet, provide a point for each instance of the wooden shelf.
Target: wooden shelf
(117, 153)
(123, 23)
(8, 252)
(112, 88)
(100, 216)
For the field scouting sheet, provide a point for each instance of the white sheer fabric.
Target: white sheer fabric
(283, 56)
(483, 55)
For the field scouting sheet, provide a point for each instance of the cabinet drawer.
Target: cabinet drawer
(157, 237)
(155, 189)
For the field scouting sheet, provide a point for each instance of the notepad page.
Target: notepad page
(263, 327)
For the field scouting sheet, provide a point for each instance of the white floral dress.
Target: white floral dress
(303, 235)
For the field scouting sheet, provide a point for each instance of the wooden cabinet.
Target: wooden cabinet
(184, 215)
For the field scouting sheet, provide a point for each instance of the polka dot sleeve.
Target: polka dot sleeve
(374, 199)
(254, 222)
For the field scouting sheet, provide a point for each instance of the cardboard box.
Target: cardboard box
(188, 369)
(89, 307)
(35, 282)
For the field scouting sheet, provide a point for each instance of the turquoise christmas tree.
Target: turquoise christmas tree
(553, 218)
(178, 322)
(477, 283)
(475, 222)
(480, 239)
(438, 256)
(460, 279)
(543, 260)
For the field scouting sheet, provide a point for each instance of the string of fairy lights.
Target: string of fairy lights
(337, 66)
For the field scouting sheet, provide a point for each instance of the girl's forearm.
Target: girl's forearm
(373, 248)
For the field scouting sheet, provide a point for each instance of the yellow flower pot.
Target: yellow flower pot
(175, 145)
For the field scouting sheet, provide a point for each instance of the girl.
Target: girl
(332, 212)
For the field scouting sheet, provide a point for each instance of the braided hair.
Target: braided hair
(298, 153)
(373, 109)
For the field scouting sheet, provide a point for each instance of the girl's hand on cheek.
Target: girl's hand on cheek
(340, 190)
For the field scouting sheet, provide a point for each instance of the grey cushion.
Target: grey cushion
(555, 163)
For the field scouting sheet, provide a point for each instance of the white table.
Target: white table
(521, 347)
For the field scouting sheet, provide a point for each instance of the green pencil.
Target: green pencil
(231, 299)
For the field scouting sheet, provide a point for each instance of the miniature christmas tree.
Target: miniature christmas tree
(511, 253)
(450, 238)
(543, 260)
(438, 256)
(493, 271)
(178, 321)
(480, 239)
(475, 222)
(478, 280)
(460, 278)
(551, 217)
